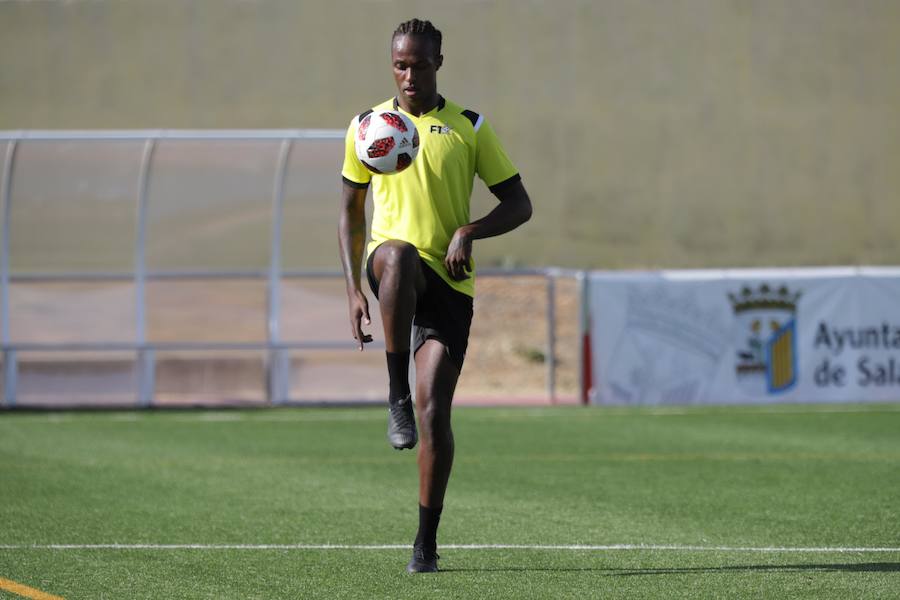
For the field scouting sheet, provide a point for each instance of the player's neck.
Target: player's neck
(419, 107)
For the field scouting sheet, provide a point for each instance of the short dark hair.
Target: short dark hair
(419, 27)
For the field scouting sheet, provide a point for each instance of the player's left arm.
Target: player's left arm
(513, 210)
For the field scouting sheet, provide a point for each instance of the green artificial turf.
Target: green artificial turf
(735, 484)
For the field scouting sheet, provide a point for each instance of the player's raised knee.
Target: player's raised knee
(397, 254)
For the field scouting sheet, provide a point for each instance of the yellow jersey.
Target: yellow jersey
(427, 202)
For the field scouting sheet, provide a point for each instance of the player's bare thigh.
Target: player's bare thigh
(397, 254)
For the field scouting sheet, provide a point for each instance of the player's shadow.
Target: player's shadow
(878, 567)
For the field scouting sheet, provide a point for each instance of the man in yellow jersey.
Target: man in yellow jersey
(419, 261)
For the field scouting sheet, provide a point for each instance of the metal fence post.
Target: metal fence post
(550, 278)
(278, 360)
(146, 376)
(279, 366)
(145, 357)
(10, 376)
(9, 355)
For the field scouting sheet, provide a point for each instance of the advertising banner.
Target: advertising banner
(745, 336)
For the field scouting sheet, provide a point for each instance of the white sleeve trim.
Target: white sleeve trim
(479, 122)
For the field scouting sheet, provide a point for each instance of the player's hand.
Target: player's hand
(459, 256)
(359, 313)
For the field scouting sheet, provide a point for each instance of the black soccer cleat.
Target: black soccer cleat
(424, 560)
(402, 424)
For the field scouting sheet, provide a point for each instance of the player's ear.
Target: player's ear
(439, 62)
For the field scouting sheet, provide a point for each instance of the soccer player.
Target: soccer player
(419, 263)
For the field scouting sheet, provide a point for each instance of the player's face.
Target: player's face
(415, 64)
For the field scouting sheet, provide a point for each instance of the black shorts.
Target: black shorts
(442, 313)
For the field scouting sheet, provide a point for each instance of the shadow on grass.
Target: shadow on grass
(881, 567)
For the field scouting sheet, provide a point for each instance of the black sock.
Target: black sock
(398, 374)
(428, 524)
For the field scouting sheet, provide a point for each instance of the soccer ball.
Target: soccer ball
(386, 141)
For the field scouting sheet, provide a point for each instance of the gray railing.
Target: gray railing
(278, 362)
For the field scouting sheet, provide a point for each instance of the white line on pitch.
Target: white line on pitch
(575, 547)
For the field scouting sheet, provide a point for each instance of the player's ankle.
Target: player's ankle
(398, 374)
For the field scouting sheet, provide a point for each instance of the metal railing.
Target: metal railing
(278, 362)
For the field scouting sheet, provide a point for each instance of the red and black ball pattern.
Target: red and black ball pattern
(380, 147)
(394, 121)
(403, 161)
(364, 127)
